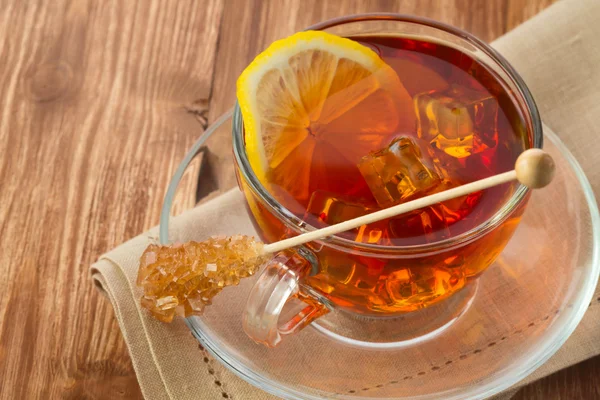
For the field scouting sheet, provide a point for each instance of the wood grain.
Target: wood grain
(99, 103)
(100, 100)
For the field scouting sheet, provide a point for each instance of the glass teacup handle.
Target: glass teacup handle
(278, 283)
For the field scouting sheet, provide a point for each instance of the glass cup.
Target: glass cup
(314, 283)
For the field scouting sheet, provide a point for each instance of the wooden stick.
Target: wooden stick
(534, 168)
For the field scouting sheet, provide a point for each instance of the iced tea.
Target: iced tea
(464, 127)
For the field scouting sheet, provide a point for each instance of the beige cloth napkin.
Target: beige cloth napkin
(558, 55)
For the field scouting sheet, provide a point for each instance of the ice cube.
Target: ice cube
(329, 209)
(398, 172)
(408, 286)
(446, 166)
(456, 209)
(458, 120)
(436, 282)
(424, 225)
(400, 286)
(433, 223)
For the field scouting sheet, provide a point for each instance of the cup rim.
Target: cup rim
(299, 226)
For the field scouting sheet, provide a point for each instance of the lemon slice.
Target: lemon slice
(312, 88)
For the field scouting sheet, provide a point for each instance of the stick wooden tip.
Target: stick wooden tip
(535, 168)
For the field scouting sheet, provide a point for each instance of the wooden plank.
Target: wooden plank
(581, 381)
(99, 102)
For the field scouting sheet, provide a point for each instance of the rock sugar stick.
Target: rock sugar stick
(181, 279)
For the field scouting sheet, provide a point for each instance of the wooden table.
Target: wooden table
(100, 100)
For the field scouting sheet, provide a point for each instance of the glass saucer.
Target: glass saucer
(525, 307)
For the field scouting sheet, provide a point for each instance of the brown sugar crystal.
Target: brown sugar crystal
(182, 279)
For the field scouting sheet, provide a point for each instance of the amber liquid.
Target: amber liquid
(467, 128)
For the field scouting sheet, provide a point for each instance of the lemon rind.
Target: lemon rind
(277, 55)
